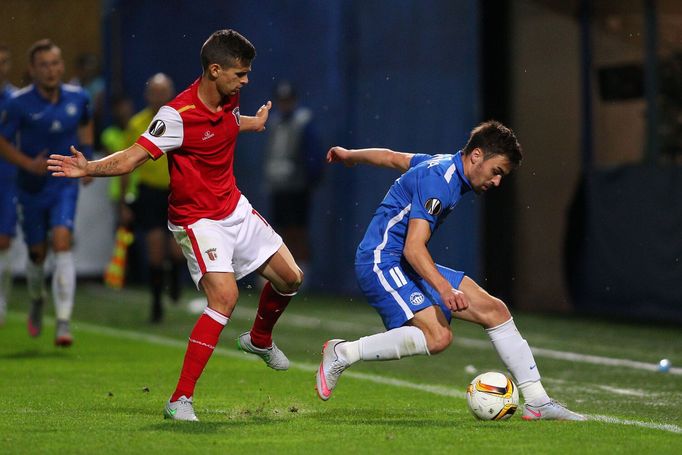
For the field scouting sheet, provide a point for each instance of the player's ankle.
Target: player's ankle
(534, 393)
(348, 351)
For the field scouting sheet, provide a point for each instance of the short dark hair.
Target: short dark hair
(227, 48)
(4, 48)
(40, 46)
(494, 139)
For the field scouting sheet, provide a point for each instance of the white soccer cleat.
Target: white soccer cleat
(272, 356)
(181, 409)
(63, 336)
(330, 369)
(550, 411)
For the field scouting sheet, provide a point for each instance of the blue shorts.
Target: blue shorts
(8, 207)
(42, 211)
(397, 292)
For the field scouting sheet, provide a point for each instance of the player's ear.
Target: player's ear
(213, 70)
(476, 155)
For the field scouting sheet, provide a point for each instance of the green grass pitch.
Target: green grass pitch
(105, 394)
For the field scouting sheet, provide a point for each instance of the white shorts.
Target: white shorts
(239, 244)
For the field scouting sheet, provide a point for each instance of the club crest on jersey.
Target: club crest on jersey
(235, 112)
(433, 206)
(71, 109)
(157, 128)
(211, 253)
(416, 298)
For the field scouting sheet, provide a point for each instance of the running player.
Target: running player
(46, 117)
(8, 193)
(221, 235)
(415, 297)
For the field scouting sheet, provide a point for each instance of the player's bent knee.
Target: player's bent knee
(292, 281)
(496, 313)
(439, 341)
(500, 309)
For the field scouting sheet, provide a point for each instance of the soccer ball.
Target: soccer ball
(492, 396)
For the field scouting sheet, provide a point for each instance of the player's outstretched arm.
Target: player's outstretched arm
(257, 122)
(118, 163)
(381, 157)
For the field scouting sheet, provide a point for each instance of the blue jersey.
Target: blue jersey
(7, 171)
(429, 190)
(37, 126)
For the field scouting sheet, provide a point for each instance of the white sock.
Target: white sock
(391, 345)
(518, 358)
(5, 279)
(35, 280)
(63, 284)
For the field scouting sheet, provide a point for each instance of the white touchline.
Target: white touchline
(295, 320)
(309, 367)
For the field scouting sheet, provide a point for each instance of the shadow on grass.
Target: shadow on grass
(36, 353)
(208, 427)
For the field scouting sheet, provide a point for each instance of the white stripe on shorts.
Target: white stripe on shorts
(377, 260)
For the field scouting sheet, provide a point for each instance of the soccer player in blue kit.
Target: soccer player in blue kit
(415, 297)
(8, 194)
(47, 117)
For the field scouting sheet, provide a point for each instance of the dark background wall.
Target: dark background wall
(402, 75)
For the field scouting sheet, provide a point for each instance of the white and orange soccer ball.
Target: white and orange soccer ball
(492, 396)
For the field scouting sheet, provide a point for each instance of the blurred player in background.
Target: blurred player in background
(415, 297)
(149, 209)
(222, 236)
(293, 166)
(8, 193)
(42, 118)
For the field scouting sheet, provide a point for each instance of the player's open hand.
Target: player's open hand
(262, 116)
(73, 166)
(455, 300)
(340, 155)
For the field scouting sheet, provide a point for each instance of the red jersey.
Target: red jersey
(200, 148)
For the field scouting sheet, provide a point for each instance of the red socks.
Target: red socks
(202, 342)
(270, 307)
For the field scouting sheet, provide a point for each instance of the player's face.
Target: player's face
(487, 173)
(47, 68)
(231, 79)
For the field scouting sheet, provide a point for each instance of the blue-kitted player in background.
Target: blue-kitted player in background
(415, 297)
(44, 118)
(8, 193)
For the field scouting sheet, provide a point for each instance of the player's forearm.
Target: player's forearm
(118, 163)
(381, 157)
(11, 154)
(420, 259)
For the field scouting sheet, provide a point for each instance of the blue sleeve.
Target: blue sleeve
(419, 158)
(10, 119)
(430, 197)
(87, 109)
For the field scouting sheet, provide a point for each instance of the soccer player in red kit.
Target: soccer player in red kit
(221, 235)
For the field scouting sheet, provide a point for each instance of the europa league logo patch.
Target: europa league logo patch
(157, 128)
(433, 206)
